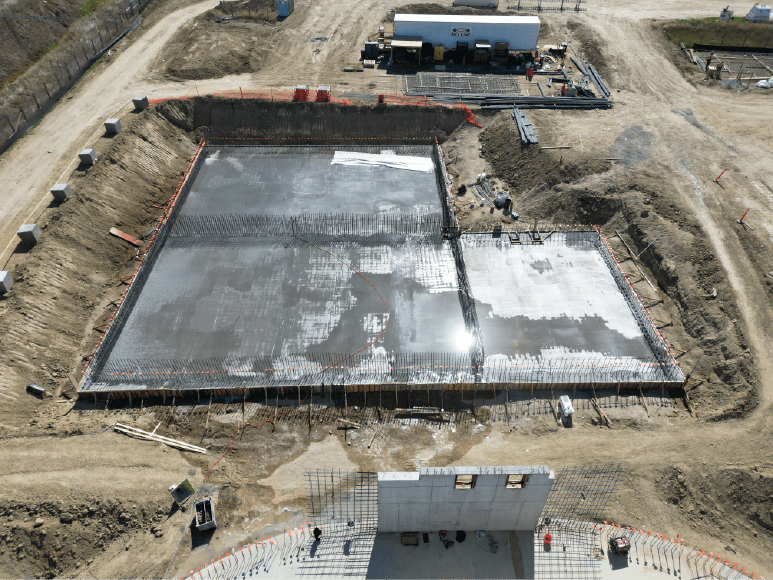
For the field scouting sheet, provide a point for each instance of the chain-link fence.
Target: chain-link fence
(24, 102)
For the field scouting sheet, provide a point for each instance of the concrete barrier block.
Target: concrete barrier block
(29, 233)
(5, 282)
(113, 126)
(140, 103)
(88, 156)
(61, 191)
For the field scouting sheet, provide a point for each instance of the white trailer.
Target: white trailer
(519, 32)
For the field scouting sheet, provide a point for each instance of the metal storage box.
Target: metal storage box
(285, 7)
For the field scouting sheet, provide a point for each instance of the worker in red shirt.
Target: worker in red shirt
(529, 72)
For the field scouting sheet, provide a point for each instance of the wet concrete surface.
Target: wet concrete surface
(252, 180)
(279, 299)
(558, 300)
(276, 295)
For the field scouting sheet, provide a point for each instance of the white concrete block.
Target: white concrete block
(113, 126)
(140, 103)
(88, 156)
(61, 191)
(29, 233)
(5, 282)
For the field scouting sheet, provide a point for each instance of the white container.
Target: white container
(520, 32)
(759, 13)
(566, 406)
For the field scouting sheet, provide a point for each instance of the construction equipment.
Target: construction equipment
(619, 545)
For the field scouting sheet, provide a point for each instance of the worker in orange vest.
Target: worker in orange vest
(529, 72)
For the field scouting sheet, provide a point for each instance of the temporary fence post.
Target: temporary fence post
(68, 70)
(45, 86)
(36, 100)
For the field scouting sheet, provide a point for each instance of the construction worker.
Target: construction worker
(708, 60)
(529, 72)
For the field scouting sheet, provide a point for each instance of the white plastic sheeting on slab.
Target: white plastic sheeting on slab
(384, 159)
(766, 84)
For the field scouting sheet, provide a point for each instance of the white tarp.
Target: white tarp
(384, 159)
(768, 84)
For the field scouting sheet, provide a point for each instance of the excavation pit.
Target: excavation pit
(246, 288)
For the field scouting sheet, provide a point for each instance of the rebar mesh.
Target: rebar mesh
(581, 493)
(372, 368)
(455, 83)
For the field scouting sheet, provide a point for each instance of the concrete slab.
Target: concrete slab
(61, 191)
(5, 282)
(29, 233)
(301, 180)
(544, 302)
(278, 299)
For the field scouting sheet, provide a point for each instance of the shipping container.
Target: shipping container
(520, 32)
(285, 7)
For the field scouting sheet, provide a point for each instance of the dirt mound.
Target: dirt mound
(227, 40)
(265, 9)
(62, 286)
(47, 538)
(592, 49)
(588, 191)
(25, 40)
(524, 167)
(723, 498)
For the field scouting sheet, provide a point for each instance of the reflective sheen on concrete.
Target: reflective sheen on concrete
(558, 300)
(289, 181)
(279, 299)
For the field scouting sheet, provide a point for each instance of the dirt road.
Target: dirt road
(36, 162)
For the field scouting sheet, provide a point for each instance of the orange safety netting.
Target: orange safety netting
(318, 96)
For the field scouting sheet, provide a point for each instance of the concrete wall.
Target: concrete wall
(285, 120)
(427, 500)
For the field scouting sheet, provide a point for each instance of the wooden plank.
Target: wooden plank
(124, 236)
(159, 438)
(350, 423)
(644, 404)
